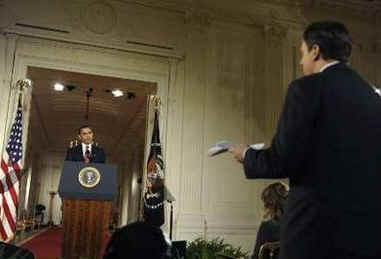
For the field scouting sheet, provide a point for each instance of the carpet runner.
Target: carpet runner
(47, 245)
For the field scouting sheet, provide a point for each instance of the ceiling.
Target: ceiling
(119, 123)
(183, 5)
(371, 5)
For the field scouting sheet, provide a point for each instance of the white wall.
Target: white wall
(218, 77)
(48, 180)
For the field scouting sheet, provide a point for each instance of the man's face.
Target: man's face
(308, 58)
(86, 136)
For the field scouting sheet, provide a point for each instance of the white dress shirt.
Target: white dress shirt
(84, 148)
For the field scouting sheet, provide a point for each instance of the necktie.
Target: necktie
(87, 154)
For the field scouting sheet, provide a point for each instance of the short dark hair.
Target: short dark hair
(274, 198)
(332, 37)
(135, 241)
(84, 127)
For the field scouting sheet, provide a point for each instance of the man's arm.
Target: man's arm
(100, 156)
(69, 152)
(293, 139)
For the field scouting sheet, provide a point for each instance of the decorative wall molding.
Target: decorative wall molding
(360, 9)
(198, 20)
(60, 55)
(107, 24)
(248, 13)
(7, 16)
(99, 17)
(275, 33)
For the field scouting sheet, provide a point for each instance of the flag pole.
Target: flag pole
(171, 221)
(156, 103)
(23, 84)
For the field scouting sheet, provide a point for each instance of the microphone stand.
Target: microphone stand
(170, 221)
(170, 199)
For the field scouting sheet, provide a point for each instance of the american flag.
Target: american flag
(10, 177)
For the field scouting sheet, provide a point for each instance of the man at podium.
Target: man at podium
(87, 192)
(85, 151)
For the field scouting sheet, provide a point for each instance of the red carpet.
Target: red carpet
(46, 245)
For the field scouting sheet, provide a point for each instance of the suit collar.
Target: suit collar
(335, 66)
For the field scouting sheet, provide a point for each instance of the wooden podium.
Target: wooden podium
(87, 191)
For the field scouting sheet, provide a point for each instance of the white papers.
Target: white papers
(377, 91)
(219, 148)
(257, 146)
(224, 146)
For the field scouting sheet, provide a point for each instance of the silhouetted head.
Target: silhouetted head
(137, 240)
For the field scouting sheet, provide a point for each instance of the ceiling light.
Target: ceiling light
(117, 93)
(70, 87)
(131, 95)
(59, 87)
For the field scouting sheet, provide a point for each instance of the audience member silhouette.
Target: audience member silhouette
(274, 198)
(13, 252)
(137, 240)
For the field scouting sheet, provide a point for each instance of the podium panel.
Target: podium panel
(87, 191)
(70, 186)
(85, 227)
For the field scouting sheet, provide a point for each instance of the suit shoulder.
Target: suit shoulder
(306, 85)
(75, 148)
(310, 80)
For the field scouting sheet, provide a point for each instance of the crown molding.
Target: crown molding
(290, 12)
(259, 12)
(275, 33)
(363, 10)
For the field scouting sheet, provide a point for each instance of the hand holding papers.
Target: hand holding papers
(224, 146)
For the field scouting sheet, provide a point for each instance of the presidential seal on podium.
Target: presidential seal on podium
(89, 177)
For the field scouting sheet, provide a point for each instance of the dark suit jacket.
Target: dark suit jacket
(76, 154)
(328, 142)
(269, 231)
(13, 252)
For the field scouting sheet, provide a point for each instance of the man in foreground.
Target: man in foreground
(328, 144)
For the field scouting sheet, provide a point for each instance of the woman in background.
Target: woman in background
(274, 198)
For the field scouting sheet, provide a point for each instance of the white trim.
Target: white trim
(329, 65)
